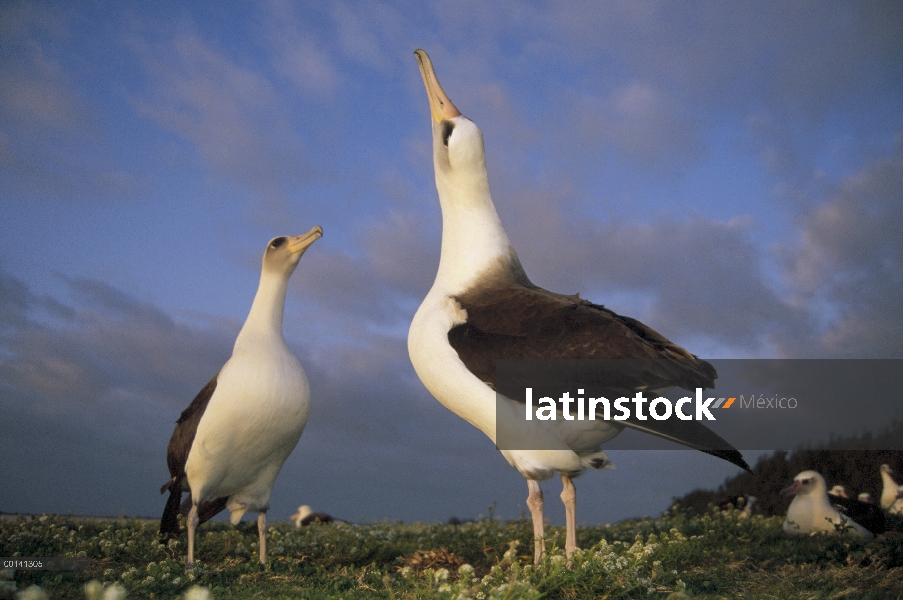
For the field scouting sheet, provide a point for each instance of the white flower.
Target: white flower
(32, 592)
(114, 592)
(94, 590)
(198, 593)
(440, 575)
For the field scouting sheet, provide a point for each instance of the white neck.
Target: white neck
(473, 239)
(265, 318)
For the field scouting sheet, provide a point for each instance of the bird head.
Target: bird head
(458, 154)
(807, 482)
(284, 252)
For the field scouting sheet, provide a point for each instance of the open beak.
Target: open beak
(441, 108)
(299, 243)
(793, 490)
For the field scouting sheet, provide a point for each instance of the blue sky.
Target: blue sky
(731, 175)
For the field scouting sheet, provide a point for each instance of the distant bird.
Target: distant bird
(811, 510)
(748, 507)
(305, 516)
(744, 504)
(891, 493)
(865, 497)
(838, 490)
(482, 307)
(231, 441)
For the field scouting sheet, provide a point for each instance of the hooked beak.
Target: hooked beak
(299, 243)
(793, 490)
(441, 108)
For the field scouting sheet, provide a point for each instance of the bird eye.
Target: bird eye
(447, 128)
(278, 242)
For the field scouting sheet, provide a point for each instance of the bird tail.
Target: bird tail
(169, 523)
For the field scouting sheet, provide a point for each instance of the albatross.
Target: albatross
(482, 307)
(305, 516)
(811, 509)
(230, 443)
(891, 493)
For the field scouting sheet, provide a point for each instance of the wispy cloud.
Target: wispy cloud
(51, 143)
(230, 115)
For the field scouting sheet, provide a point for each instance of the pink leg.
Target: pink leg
(192, 526)
(569, 498)
(262, 530)
(535, 504)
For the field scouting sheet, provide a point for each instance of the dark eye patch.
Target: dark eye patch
(447, 128)
(278, 242)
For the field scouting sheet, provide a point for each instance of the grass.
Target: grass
(716, 555)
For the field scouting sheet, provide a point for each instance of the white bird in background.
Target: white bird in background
(839, 490)
(812, 511)
(231, 441)
(482, 307)
(748, 507)
(864, 497)
(305, 516)
(891, 493)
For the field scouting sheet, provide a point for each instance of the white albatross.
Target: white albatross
(482, 307)
(891, 493)
(811, 509)
(305, 516)
(231, 441)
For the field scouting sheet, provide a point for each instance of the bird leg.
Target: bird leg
(192, 525)
(535, 504)
(262, 530)
(569, 498)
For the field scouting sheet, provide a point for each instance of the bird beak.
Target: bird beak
(299, 243)
(441, 108)
(793, 490)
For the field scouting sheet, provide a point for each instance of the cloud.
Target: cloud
(367, 32)
(848, 264)
(636, 122)
(298, 50)
(107, 342)
(231, 116)
(52, 144)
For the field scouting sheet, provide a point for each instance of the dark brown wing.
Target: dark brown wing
(177, 456)
(868, 515)
(186, 428)
(524, 322)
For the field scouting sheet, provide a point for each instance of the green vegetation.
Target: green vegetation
(715, 555)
